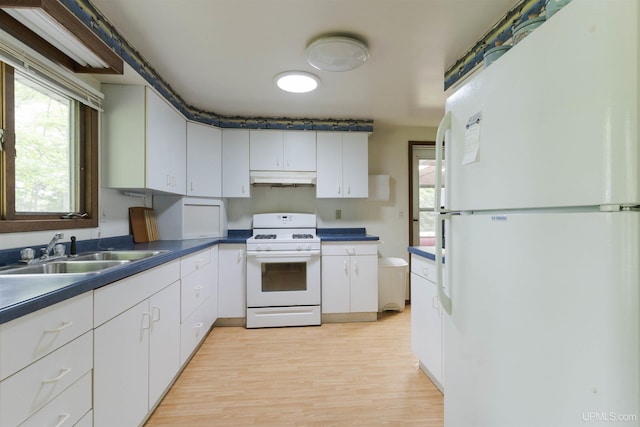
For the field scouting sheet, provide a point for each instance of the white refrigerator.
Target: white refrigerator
(543, 229)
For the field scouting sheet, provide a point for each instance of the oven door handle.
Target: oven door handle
(280, 254)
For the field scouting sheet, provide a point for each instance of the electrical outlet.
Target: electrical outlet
(338, 213)
(401, 214)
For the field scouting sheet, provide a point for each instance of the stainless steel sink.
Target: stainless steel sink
(132, 255)
(64, 267)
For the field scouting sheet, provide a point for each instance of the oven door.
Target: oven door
(278, 279)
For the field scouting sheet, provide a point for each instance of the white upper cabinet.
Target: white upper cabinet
(235, 163)
(204, 160)
(273, 150)
(342, 165)
(145, 141)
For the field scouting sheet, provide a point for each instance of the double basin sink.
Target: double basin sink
(86, 263)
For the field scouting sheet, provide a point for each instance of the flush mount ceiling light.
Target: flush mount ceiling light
(337, 53)
(297, 81)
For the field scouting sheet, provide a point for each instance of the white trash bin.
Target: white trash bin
(392, 283)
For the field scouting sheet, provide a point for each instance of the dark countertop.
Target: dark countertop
(345, 235)
(428, 252)
(21, 295)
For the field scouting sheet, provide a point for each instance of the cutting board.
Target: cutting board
(143, 224)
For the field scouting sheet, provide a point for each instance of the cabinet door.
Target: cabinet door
(120, 371)
(204, 160)
(426, 325)
(160, 122)
(232, 281)
(265, 150)
(335, 284)
(164, 345)
(329, 165)
(235, 163)
(355, 165)
(124, 136)
(364, 283)
(299, 151)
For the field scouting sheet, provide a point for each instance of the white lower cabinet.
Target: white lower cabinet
(71, 408)
(426, 319)
(199, 299)
(232, 279)
(137, 352)
(30, 389)
(45, 357)
(349, 278)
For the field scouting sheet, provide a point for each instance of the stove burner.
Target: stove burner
(302, 236)
(265, 236)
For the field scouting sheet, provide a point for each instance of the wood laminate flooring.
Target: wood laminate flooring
(337, 374)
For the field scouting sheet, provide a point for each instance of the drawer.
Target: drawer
(28, 338)
(193, 262)
(118, 297)
(30, 389)
(349, 249)
(194, 329)
(70, 407)
(423, 267)
(194, 289)
(86, 421)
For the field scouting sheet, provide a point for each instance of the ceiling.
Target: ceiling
(221, 55)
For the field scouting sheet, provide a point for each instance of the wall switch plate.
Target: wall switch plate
(338, 213)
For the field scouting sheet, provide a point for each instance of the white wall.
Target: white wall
(388, 155)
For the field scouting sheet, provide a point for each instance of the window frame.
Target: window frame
(10, 221)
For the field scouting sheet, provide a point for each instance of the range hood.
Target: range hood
(283, 178)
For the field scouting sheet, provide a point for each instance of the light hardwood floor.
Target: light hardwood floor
(337, 374)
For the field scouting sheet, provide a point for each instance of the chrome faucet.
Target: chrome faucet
(46, 251)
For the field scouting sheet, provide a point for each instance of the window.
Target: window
(49, 156)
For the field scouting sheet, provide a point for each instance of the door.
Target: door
(278, 279)
(509, 146)
(423, 194)
(545, 310)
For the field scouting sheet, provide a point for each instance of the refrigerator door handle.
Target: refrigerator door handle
(445, 124)
(444, 298)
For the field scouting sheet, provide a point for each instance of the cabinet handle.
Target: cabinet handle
(198, 325)
(242, 188)
(197, 263)
(198, 289)
(339, 189)
(63, 372)
(348, 189)
(146, 325)
(155, 310)
(355, 266)
(168, 180)
(62, 418)
(191, 185)
(59, 328)
(425, 272)
(346, 268)
(239, 255)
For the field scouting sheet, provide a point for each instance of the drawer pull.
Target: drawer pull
(58, 329)
(62, 418)
(63, 372)
(198, 325)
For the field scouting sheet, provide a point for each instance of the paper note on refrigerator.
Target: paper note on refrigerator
(472, 140)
